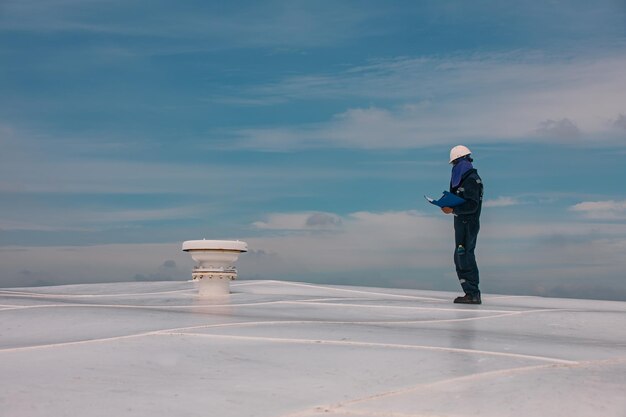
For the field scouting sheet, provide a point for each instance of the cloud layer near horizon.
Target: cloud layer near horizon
(406, 249)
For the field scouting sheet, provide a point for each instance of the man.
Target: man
(466, 184)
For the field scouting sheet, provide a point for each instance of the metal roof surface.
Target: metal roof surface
(294, 349)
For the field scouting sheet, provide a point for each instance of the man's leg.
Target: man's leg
(466, 234)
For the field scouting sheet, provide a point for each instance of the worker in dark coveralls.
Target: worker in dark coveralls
(467, 184)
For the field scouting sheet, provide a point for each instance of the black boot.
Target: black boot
(468, 299)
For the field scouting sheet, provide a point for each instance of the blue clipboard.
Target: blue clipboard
(447, 200)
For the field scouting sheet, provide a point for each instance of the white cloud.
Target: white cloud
(401, 247)
(357, 241)
(112, 216)
(410, 239)
(374, 243)
(37, 225)
(86, 219)
(482, 98)
(549, 231)
(560, 129)
(280, 24)
(25, 266)
(36, 162)
(300, 221)
(601, 210)
(501, 202)
(620, 122)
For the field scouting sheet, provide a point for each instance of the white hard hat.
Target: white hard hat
(458, 152)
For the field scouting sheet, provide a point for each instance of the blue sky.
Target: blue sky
(311, 130)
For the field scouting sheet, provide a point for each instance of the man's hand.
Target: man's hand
(447, 210)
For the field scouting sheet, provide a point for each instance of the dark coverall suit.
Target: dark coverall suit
(466, 227)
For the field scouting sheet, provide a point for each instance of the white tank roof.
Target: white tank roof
(204, 244)
(423, 353)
